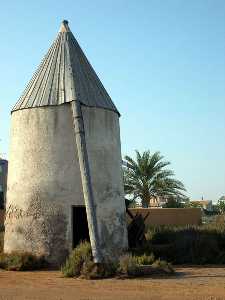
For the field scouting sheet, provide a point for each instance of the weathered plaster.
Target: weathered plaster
(44, 180)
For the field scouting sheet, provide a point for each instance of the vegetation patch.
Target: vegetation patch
(80, 264)
(79, 257)
(186, 245)
(17, 261)
(134, 266)
(163, 266)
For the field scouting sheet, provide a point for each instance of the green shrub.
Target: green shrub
(187, 245)
(74, 263)
(90, 270)
(131, 265)
(163, 265)
(80, 263)
(145, 259)
(128, 265)
(17, 261)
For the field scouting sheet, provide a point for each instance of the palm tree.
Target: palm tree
(146, 178)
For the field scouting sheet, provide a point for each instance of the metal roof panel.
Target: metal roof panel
(65, 67)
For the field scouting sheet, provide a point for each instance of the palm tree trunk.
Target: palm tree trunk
(145, 202)
(145, 198)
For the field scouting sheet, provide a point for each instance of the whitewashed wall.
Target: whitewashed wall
(44, 180)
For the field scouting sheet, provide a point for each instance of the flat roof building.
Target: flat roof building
(3, 181)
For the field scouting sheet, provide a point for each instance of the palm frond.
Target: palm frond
(147, 177)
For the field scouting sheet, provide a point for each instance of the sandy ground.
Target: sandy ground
(189, 283)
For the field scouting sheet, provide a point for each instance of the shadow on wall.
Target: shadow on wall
(2, 215)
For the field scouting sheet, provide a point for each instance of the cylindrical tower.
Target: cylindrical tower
(45, 212)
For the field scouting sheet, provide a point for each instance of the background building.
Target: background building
(205, 204)
(3, 181)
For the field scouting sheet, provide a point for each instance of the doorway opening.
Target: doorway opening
(79, 225)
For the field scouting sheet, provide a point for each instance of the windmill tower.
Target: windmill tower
(65, 178)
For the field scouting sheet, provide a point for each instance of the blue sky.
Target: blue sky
(162, 62)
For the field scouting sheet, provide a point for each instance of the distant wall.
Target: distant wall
(169, 216)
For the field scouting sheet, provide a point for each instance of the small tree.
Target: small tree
(221, 205)
(146, 178)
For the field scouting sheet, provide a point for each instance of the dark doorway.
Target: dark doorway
(80, 225)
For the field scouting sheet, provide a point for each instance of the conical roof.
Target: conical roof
(65, 75)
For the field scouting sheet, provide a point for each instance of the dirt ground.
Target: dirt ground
(188, 283)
